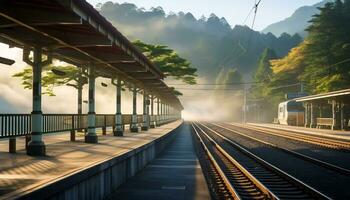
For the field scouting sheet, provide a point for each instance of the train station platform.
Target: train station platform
(77, 170)
(334, 134)
(175, 174)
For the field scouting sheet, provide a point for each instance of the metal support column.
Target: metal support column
(153, 120)
(81, 82)
(36, 147)
(118, 131)
(91, 136)
(164, 114)
(306, 115)
(133, 126)
(145, 124)
(334, 115)
(167, 113)
(342, 127)
(161, 113)
(312, 116)
(158, 113)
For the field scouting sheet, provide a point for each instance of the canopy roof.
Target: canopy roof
(340, 94)
(74, 32)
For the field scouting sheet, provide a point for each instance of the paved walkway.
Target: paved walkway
(343, 135)
(175, 174)
(22, 173)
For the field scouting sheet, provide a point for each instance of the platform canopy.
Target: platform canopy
(74, 32)
(343, 95)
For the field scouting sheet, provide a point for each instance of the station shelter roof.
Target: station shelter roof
(74, 32)
(341, 95)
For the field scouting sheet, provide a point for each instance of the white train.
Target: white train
(291, 113)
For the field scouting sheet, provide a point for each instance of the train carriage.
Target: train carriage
(291, 113)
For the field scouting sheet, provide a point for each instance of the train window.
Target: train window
(296, 107)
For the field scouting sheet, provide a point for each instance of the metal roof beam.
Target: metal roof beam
(77, 39)
(37, 17)
(85, 58)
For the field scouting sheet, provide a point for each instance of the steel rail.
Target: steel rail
(227, 183)
(287, 177)
(265, 191)
(320, 141)
(296, 154)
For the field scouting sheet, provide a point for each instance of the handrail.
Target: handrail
(14, 125)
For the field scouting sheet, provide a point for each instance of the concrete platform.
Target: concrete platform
(21, 174)
(335, 134)
(175, 174)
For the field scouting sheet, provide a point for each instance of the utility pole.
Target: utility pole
(244, 120)
(301, 87)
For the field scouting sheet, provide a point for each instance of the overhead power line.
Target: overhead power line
(250, 12)
(214, 84)
(233, 89)
(255, 12)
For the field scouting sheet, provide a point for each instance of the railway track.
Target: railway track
(316, 161)
(307, 138)
(249, 176)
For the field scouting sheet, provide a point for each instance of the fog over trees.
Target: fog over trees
(210, 43)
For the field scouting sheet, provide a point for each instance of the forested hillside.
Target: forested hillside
(321, 63)
(209, 43)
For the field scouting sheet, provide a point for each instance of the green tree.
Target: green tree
(233, 79)
(69, 75)
(328, 49)
(264, 72)
(169, 62)
(228, 79)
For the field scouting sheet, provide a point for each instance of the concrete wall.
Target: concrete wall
(99, 181)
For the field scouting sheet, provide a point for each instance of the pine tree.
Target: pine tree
(264, 72)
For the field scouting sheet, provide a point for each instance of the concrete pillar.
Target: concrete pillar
(36, 147)
(145, 124)
(118, 130)
(91, 136)
(153, 120)
(133, 126)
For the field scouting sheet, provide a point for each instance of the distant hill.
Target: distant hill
(209, 43)
(297, 23)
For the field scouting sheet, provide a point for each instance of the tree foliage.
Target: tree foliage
(50, 80)
(169, 62)
(263, 74)
(209, 43)
(229, 79)
(321, 62)
(328, 49)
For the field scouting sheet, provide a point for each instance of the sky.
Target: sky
(19, 100)
(235, 11)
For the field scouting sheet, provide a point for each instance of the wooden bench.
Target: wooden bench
(322, 122)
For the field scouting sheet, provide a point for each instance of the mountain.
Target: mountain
(297, 23)
(208, 43)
